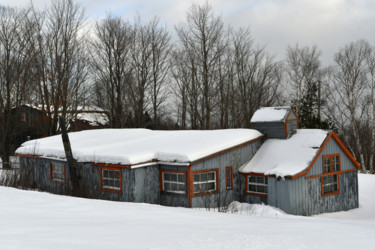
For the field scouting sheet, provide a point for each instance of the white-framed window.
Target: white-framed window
(330, 183)
(57, 172)
(204, 182)
(173, 182)
(111, 178)
(257, 184)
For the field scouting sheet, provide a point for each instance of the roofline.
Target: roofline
(227, 150)
(153, 162)
(341, 145)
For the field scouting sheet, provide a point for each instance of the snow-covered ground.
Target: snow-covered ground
(37, 220)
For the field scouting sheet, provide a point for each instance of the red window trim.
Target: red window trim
(161, 171)
(338, 184)
(331, 156)
(331, 173)
(204, 171)
(101, 180)
(247, 184)
(231, 178)
(51, 174)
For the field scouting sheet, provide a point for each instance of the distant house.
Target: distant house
(301, 171)
(30, 122)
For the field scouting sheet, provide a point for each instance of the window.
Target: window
(330, 179)
(173, 182)
(204, 182)
(331, 163)
(330, 183)
(23, 117)
(229, 177)
(57, 172)
(111, 179)
(257, 184)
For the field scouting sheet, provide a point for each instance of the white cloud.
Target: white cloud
(329, 24)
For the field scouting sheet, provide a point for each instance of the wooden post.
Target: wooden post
(72, 164)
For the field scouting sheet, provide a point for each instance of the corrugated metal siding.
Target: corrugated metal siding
(147, 185)
(292, 116)
(291, 126)
(271, 129)
(235, 158)
(331, 148)
(345, 200)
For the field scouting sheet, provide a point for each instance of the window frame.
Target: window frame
(331, 171)
(52, 176)
(247, 183)
(161, 178)
(230, 168)
(216, 181)
(109, 188)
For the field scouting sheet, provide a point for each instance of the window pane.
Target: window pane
(211, 186)
(173, 177)
(260, 179)
(203, 177)
(252, 179)
(117, 183)
(261, 189)
(211, 176)
(181, 178)
(167, 186)
(196, 188)
(252, 188)
(111, 174)
(196, 177)
(181, 187)
(167, 177)
(105, 173)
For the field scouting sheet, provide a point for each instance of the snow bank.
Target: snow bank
(255, 209)
(270, 114)
(286, 157)
(37, 220)
(132, 146)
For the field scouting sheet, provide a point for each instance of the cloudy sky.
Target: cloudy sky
(329, 24)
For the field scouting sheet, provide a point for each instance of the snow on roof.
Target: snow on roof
(94, 119)
(270, 114)
(133, 146)
(287, 157)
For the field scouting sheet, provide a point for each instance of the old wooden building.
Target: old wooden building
(174, 168)
(300, 171)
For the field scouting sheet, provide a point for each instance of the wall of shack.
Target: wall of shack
(234, 158)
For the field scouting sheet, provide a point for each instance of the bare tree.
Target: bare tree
(303, 70)
(15, 74)
(160, 47)
(256, 76)
(111, 67)
(60, 59)
(202, 37)
(347, 87)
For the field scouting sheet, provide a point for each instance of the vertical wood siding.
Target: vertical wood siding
(235, 158)
(345, 200)
(271, 129)
(331, 148)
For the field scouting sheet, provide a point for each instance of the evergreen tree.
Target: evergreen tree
(308, 112)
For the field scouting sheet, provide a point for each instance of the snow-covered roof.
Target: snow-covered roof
(271, 114)
(133, 146)
(287, 157)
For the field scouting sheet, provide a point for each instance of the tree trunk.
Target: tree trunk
(72, 164)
